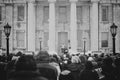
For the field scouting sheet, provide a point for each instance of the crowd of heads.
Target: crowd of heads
(65, 64)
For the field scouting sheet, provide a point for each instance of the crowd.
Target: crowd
(44, 66)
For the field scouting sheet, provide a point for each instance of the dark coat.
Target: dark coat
(117, 73)
(66, 77)
(2, 71)
(47, 71)
(75, 69)
(88, 75)
(25, 75)
(108, 72)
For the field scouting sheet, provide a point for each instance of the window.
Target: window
(20, 38)
(46, 37)
(104, 39)
(79, 14)
(62, 14)
(21, 14)
(79, 38)
(45, 14)
(104, 13)
(0, 38)
(1, 16)
(0, 13)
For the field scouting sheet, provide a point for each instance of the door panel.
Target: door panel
(62, 40)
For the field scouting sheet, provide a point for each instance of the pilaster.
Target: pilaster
(51, 42)
(94, 26)
(73, 26)
(31, 25)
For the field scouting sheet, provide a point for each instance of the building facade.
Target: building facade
(50, 24)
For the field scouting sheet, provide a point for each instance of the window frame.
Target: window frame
(105, 13)
(18, 14)
(103, 45)
(62, 20)
(81, 15)
(45, 19)
(20, 31)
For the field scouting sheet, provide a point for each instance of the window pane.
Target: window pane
(79, 40)
(104, 39)
(46, 14)
(20, 13)
(104, 43)
(62, 14)
(46, 37)
(0, 13)
(79, 13)
(0, 38)
(104, 13)
(20, 37)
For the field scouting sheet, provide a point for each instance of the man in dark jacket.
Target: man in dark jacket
(25, 69)
(88, 73)
(44, 67)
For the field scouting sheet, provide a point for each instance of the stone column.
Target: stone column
(73, 26)
(94, 25)
(51, 42)
(31, 25)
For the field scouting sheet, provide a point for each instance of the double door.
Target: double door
(62, 40)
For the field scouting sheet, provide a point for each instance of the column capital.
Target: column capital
(95, 0)
(73, 1)
(51, 1)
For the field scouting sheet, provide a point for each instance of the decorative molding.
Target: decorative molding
(51, 1)
(73, 1)
(95, 0)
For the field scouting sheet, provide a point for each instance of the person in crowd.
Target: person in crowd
(99, 62)
(54, 63)
(88, 73)
(2, 71)
(117, 69)
(65, 73)
(90, 58)
(102, 55)
(83, 59)
(2, 58)
(75, 67)
(25, 69)
(107, 69)
(12, 61)
(57, 58)
(19, 53)
(9, 58)
(45, 68)
(71, 69)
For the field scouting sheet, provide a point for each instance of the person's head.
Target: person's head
(52, 59)
(26, 63)
(88, 65)
(108, 61)
(43, 56)
(75, 59)
(56, 57)
(89, 54)
(19, 53)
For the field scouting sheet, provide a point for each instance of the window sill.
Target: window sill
(105, 22)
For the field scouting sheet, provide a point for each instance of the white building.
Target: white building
(60, 22)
